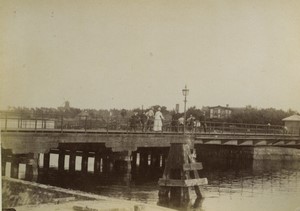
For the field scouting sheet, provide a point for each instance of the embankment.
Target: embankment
(23, 195)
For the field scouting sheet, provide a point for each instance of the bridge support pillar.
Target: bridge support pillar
(3, 164)
(97, 163)
(84, 164)
(3, 161)
(61, 160)
(105, 163)
(134, 160)
(143, 159)
(122, 161)
(72, 161)
(155, 160)
(163, 160)
(14, 168)
(46, 161)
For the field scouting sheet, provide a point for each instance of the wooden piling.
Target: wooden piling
(107, 164)
(84, 162)
(72, 161)
(3, 164)
(46, 161)
(143, 159)
(180, 174)
(14, 167)
(97, 163)
(61, 160)
(134, 160)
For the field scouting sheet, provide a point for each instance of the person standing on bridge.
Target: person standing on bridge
(144, 119)
(158, 117)
(150, 119)
(134, 121)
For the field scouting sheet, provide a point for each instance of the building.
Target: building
(292, 124)
(217, 112)
(220, 112)
(66, 107)
(83, 115)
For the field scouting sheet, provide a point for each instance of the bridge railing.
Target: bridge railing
(63, 124)
(232, 128)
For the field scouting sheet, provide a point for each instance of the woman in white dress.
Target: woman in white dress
(158, 117)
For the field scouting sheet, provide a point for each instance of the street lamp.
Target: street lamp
(185, 93)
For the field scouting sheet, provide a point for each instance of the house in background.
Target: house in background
(83, 115)
(217, 112)
(292, 124)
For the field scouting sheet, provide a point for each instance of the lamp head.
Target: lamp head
(185, 91)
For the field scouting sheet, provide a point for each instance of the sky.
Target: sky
(129, 53)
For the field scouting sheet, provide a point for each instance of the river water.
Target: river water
(246, 186)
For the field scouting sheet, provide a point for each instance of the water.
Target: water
(247, 186)
(265, 187)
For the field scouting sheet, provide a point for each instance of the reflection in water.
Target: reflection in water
(240, 185)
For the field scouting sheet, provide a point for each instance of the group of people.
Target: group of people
(153, 121)
(149, 121)
(191, 123)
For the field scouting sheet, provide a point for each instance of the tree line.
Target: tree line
(247, 115)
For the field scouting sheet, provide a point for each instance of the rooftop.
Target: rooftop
(292, 118)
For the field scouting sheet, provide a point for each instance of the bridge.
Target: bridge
(42, 140)
(122, 148)
(27, 140)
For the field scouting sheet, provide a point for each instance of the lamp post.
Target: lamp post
(185, 93)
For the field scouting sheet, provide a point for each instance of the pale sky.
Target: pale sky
(129, 53)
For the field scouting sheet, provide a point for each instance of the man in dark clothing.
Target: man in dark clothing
(143, 120)
(134, 121)
(174, 123)
(190, 122)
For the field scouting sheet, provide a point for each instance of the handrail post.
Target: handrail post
(5, 121)
(107, 127)
(222, 127)
(35, 124)
(20, 122)
(61, 122)
(42, 126)
(85, 124)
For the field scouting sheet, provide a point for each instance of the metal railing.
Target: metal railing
(63, 124)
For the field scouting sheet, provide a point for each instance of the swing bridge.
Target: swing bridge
(124, 150)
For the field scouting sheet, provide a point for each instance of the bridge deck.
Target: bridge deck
(120, 139)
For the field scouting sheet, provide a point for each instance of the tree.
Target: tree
(197, 113)
(123, 113)
(251, 115)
